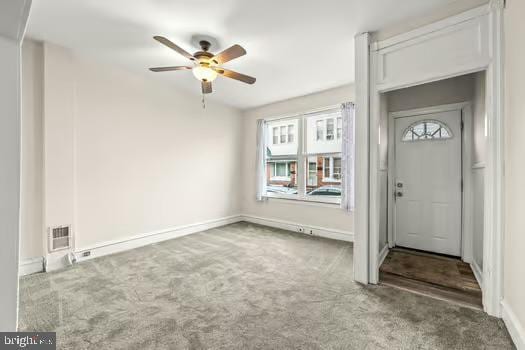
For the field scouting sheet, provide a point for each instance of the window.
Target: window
(290, 133)
(306, 165)
(336, 169)
(426, 130)
(280, 170)
(312, 171)
(281, 163)
(283, 134)
(332, 169)
(319, 125)
(275, 136)
(329, 129)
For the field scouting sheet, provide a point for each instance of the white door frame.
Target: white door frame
(465, 110)
(361, 236)
(486, 29)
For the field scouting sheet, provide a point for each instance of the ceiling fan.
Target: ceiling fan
(206, 66)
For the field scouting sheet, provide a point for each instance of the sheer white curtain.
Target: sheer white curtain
(260, 160)
(347, 157)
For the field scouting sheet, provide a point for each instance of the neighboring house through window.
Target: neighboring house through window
(314, 154)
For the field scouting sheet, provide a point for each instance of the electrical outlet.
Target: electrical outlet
(311, 231)
(85, 254)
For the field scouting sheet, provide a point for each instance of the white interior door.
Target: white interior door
(428, 182)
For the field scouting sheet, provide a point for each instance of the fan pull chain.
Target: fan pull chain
(203, 102)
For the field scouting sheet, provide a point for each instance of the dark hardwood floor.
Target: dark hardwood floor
(433, 275)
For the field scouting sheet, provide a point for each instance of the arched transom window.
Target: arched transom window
(427, 130)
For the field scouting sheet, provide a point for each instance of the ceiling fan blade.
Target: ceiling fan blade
(206, 87)
(172, 46)
(234, 75)
(167, 69)
(229, 54)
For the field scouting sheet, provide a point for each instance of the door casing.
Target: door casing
(370, 86)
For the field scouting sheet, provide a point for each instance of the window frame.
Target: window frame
(302, 158)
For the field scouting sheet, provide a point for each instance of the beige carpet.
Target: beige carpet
(242, 286)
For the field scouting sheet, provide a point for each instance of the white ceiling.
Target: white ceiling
(295, 47)
(13, 16)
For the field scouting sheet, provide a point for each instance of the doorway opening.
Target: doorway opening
(431, 179)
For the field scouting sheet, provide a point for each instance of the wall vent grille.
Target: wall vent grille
(59, 238)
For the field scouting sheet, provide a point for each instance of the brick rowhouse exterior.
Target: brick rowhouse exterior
(293, 176)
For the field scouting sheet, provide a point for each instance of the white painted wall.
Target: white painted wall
(13, 19)
(126, 155)
(59, 147)
(442, 92)
(514, 276)
(148, 157)
(9, 181)
(286, 210)
(32, 186)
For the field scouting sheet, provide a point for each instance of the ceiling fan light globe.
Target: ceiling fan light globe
(204, 73)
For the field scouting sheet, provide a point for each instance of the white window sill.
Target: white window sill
(280, 178)
(326, 201)
(329, 179)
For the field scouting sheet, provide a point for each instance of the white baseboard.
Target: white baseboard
(478, 273)
(30, 266)
(59, 261)
(301, 228)
(514, 326)
(382, 255)
(116, 246)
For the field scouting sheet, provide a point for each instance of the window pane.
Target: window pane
(281, 165)
(427, 130)
(323, 146)
(283, 134)
(281, 169)
(320, 130)
(330, 129)
(337, 169)
(326, 167)
(291, 133)
(312, 172)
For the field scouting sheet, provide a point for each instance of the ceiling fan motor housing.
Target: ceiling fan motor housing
(205, 45)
